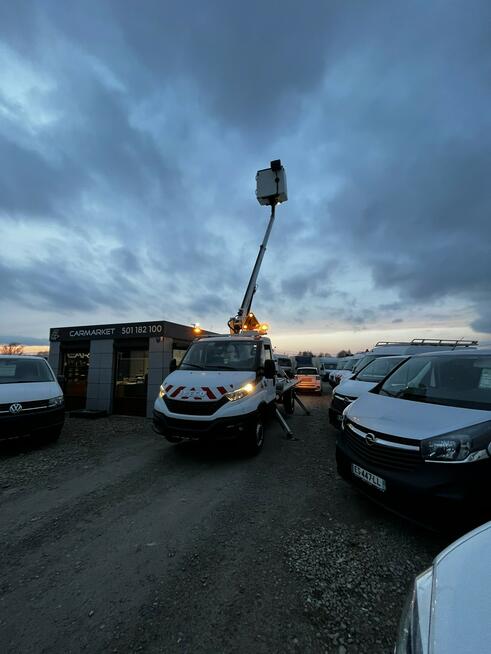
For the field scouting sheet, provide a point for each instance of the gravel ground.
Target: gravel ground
(113, 540)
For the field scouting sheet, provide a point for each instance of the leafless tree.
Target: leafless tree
(12, 348)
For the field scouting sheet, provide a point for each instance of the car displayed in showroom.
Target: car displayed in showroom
(448, 607)
(420, 442)
(361, 382)
(308, 379)
(31, 399)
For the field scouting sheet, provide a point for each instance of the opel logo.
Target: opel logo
(370, 439)
(15, 408)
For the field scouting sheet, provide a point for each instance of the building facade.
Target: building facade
(116, 368)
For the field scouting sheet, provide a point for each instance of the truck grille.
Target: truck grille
(381, 455)
(194, 407)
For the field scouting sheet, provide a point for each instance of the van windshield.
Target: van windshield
(26, 371)
(363, 362)
(461, 381)
(221, 355)
(378, 369)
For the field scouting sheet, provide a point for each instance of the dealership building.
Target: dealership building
(116, 368)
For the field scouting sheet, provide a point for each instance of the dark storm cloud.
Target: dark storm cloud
(150, 118)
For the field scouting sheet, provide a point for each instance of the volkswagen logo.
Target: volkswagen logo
(15, 408)
(370, 439)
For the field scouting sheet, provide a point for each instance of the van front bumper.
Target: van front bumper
(434, 494)
(31, 423)
(176, 428)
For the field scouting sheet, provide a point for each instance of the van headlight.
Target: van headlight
(246, 390)
(162, 391)
(463, 445)
(56, 401)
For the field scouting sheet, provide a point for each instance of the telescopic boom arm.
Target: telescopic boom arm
(271, 189)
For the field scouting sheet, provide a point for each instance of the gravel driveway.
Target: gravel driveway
(113, 540)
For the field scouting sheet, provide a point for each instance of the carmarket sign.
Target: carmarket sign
(132, 329)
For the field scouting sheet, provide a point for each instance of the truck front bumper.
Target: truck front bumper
(177, 428)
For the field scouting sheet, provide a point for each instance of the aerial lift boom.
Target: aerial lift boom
(270, 190)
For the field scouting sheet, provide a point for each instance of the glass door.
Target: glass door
(75, 369)
(131, 382)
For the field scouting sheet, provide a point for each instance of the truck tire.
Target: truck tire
(254, 437)
(289, 402)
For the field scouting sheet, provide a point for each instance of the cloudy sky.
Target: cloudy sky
(131, 132)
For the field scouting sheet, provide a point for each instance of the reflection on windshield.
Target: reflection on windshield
(462, 381)
(221, 355)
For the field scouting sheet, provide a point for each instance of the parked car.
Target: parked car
(420, 442)
(448, 607)
(31, 399)
(286, 363)
(389, 348)
(326, 365)
(361, 382)
(344, 369)
(308, 379)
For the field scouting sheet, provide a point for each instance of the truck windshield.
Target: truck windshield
(23, 370)
(454, 380)
(221, 355)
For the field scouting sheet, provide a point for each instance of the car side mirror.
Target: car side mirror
(269, 369)
(61, 381)
(173, 365)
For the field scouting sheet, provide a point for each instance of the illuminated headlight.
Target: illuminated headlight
(162, 392)
(56, 401)
(463, 445)
(246, 390)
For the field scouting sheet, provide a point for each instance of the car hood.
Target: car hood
(460, 598)
(206, 385)
(409, 419)
(28, 392)
(354, 388)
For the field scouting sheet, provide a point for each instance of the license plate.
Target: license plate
(368, 477)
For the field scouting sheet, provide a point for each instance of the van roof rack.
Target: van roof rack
(432, 341)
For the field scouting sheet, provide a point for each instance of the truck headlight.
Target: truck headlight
(56, 401)
(248, 389)
(162, 391)
(463, 445)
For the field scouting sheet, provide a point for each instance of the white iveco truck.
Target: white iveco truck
(225, 385)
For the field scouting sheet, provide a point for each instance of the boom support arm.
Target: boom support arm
(238, 322)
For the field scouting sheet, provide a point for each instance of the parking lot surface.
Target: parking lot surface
(114, 540)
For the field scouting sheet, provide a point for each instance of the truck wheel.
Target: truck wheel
(289, 402)
(254, 437)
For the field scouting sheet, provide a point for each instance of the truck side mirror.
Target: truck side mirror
(172, 365)
(269, 369)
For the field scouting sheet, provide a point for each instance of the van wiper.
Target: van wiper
(193, 365)
(382, 391)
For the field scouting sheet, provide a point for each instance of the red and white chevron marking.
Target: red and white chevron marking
(196, 392)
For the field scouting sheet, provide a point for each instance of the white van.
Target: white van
(31, 400)
(326, 365)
